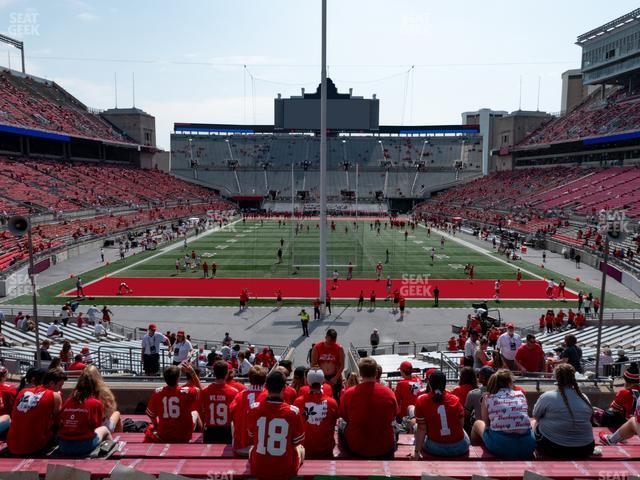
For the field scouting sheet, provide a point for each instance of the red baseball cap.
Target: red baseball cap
(152, 326)
(84, 350)
(428, 372)
(509, 325)
(406, 366)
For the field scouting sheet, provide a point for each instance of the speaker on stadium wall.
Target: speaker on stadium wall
(18, 225)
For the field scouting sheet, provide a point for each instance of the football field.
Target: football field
(246, 256)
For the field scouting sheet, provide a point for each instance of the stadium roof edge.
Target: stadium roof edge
(622, 21)
(196, 128)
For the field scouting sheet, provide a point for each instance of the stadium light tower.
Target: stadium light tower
(323, 158)
(14, 43)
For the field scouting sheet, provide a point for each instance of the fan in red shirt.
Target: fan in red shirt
(305, 389)
(82, 418)
(625, 400)
(368, 410)
(452, 345)
(240, 408)
(172, 410)
(230, 379)
(408, 389)
(277, 433)
(289, 393)
(581, 320)
(319, 413)
(8, 396)
(329, 357)
(530, 356)
(440, 417)
(467, 382)
(77, 365)
(265, 359)
(35, 414)
(214, 406)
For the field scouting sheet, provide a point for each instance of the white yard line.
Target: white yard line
(162, 251)
(490, 255)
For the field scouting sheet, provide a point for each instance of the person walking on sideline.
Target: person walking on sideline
(304, 319)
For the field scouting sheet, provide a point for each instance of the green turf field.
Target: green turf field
(248, 250)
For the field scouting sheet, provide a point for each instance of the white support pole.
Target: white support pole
(323, 157)
(357, 175)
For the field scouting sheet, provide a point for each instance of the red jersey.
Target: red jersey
(326, 389)
(452, 345)
(461, 391)
(328, 354)
(170, 409)
(289, 394)
(237, 385)
(407, 392)
(319, 416)
(519, 276)
(276, 429)
(369, 409)
(531, 358)
(441, 419)
(239, 411)
(626, 401)
(32, 421)
(78, 420)
(77, 367)
(214, 404)
(8, 396)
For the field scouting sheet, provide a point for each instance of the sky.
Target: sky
(224, 62)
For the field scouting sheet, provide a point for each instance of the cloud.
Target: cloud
(92, 94)
(86, 16)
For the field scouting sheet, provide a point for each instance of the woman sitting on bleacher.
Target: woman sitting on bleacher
(562, 422)
(82, 418)
(505, 428)
(440, 418)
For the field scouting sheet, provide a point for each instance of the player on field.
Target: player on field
(472, 269)
(442, 242)
(550, 286)
(177, 266)
(433, 254)
(35, 414)
(329, 357)
(319, 413)
(279, 298)
(378, 271)
(335, 277)
(173, 410)
(124, 289)
(360, 300)
(519, 277)
(277, 433)
(350, 271)
(214, 406)
(561, 289)
(496, 287)
(239, 408)
(372, 300)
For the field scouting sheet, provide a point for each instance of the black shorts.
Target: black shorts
(151, 363)
(217, 435)
(551, 449)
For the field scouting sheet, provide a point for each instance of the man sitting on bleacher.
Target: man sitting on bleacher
(277, 433)
(173, 410)
(368, 410)
(215, 401)
(34, 415)
(240, 408)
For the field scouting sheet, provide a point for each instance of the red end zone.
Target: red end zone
(308, 288)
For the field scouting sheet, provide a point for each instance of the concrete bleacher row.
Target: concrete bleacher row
(258, 182)
(281, 150)
(198, 460)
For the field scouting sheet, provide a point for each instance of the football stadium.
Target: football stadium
(301, 280)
